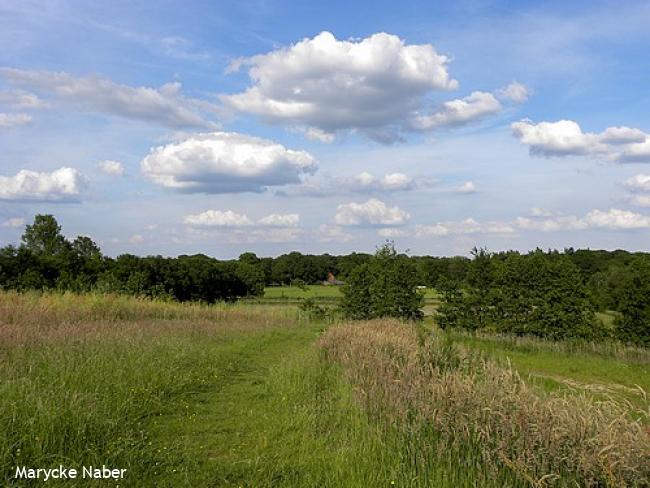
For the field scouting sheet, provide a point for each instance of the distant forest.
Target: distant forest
(45, 259)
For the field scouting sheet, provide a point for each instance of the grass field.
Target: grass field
(254, 395)
(322, 293)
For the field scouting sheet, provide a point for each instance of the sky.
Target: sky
(220, 127)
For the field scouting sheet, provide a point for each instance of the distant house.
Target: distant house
(332, 281)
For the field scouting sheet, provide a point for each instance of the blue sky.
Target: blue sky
(271, 126)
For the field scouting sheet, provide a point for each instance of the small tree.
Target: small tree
(386, 286)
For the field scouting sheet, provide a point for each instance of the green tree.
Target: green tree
(356, 302)
(44, 236)
(384, 287)
(633, 325)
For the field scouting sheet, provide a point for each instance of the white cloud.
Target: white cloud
(228, 218)
(566, 222)
(366, 182)
(467, 187)
(636, 153)
(14, 222)
(225, 162)
(113, 168)
(362, 183)
(514, 92)
(14, 120)
(64, 184)
(280, 220)
(467, 226)
(325, 85)
(617, 219)
(613, 219)
(372, 212)
(460, 111)
(21, 99)
(165, 105)
(218, 218)
(566, 138)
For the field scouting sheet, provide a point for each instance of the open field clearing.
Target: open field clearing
(250, 395)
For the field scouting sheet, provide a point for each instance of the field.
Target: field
(252, 394)
(326, 296)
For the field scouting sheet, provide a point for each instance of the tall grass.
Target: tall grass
(43, 317)
(448, 400)
(81, 376)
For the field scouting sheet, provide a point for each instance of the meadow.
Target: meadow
(249, 394)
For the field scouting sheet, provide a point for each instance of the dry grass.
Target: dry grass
(53, 317)
(452, 399)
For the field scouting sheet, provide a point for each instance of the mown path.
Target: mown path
(278, 418)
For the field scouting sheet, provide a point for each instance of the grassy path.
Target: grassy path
(281, 417)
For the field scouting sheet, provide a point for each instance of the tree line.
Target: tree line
(552, 295)
(547, 293)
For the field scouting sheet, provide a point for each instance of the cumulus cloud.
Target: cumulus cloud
(566, 138)
(13, 120)
(225, 162)
(218, 218)
(474, 107)
(326, 85)
(371, 212)
(514, 92)
(64, 184)
(113, 168)
(165, 105)
(228, 218)
(14, 222)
